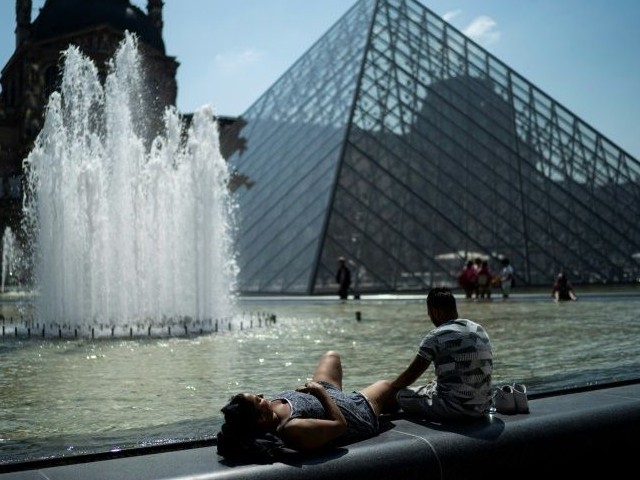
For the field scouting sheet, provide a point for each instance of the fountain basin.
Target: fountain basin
(584, 431)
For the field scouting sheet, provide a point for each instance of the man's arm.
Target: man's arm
(416, 368)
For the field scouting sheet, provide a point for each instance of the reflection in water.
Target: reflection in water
(61, 397)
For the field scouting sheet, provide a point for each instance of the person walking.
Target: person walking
(461, 353)
(506, 278)
(343, 278)
(467, 279)
(484, 278)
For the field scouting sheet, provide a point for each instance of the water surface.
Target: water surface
(69, 396)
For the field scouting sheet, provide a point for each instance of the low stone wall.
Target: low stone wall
(580, 434)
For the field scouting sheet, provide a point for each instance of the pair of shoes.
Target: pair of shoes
(504, 400)
(520, 395)
(511, 399)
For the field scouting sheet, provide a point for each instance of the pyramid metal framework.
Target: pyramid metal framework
(399, 143)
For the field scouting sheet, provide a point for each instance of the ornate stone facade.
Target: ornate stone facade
(32, 72)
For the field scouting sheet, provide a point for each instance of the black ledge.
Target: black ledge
(591, 432)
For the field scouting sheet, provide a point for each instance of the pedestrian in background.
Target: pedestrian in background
(506, 278)
(467, 279)
(562, 289)
(343, 278)
(483, 282)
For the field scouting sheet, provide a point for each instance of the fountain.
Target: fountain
(126, 232)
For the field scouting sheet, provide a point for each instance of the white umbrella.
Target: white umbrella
(461, 254)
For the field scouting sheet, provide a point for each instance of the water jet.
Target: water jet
(124, 229)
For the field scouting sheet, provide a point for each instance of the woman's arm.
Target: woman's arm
(311, 433)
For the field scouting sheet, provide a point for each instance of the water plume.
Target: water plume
(127, 229)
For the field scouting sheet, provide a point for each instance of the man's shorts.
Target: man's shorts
(424, 401)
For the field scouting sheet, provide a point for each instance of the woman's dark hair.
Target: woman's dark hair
(241, 439)
(241, 414)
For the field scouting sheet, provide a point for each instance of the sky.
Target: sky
(582, 53)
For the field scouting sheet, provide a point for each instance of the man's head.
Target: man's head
(441, 305)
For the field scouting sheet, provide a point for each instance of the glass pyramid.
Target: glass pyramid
(402, 145)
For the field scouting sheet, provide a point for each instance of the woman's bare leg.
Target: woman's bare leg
(329, 369)
(382, 396)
